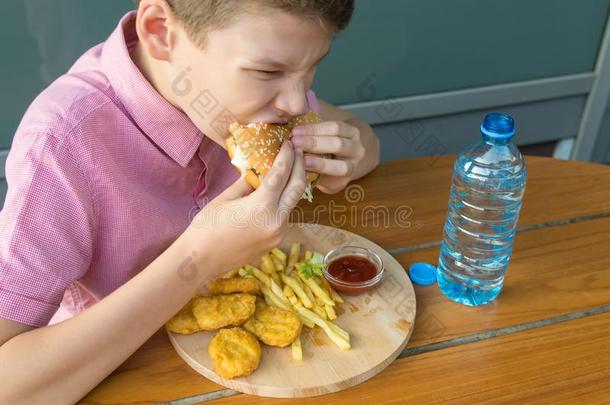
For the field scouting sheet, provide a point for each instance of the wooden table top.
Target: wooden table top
(545, 338)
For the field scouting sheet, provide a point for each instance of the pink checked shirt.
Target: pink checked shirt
(103, 175)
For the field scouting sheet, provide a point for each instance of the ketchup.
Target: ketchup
(352, 269)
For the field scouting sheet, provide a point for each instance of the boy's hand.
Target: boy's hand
(239, 225)
(330, 137)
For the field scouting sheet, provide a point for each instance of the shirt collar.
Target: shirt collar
(169, 128)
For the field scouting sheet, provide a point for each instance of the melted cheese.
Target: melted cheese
(240, 161)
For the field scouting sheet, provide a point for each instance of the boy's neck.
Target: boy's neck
(150, 69)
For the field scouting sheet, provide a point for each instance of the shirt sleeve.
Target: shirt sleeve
(46, 228)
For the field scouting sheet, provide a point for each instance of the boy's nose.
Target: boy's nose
(292, 101)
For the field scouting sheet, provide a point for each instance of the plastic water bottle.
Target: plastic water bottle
(486, 192)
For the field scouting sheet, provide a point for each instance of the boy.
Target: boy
(122, 195)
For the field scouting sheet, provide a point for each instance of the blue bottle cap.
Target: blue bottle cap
(422, 273)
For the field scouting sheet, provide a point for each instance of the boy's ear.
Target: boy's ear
(155, 25)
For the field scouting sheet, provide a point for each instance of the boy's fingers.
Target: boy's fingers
(240, 188)
(324, 144)
(336, 137)
(294, 189)
(274, 182)
(331, 167)
(326, 128)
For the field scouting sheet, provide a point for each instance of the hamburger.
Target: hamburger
(253, 148)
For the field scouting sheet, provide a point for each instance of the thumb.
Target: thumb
(240, 188)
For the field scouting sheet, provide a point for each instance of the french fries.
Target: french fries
(278, 291)
(305, 293)
(317, 290)
(298, 290)
(319, 310)
(289, 293)
(269, 268)
(330, 291)
(297, 351)
(308, 292)
(279, 254)
(331, 315)
(267, 264)
(278, 264)
(339, 331)
(270, 285)
(336, 337)
(245, 273)
(295, 250)
(275, 299)
(263, 278)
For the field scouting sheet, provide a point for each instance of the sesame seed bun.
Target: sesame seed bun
(260, 143)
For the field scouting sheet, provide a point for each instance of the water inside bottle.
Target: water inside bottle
(485, 198)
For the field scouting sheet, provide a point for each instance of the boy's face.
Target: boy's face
(257, 69)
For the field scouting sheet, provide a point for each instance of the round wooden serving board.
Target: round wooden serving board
(379, 322)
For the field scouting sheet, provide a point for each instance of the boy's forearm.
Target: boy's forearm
(371, 146)
(63, 362)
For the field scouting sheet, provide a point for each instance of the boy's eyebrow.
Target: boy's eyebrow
(271, 62)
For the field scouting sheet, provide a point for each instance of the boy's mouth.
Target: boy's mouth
(275, 121)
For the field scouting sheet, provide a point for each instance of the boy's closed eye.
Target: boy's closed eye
(264, 74)
(269, 72)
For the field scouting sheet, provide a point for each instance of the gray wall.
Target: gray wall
(448, 134)
(411, 47)
(43, 39)
(432, 69)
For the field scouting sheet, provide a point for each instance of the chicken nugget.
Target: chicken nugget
(234, 352)
(217, 311)
(184, 322)
(273, 326)
(234, 285)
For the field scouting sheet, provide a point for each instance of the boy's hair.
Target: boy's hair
(201, 16)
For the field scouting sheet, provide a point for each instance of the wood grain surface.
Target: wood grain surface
(419, 189)
(562, 363)
(551, 272)
(560, 266)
